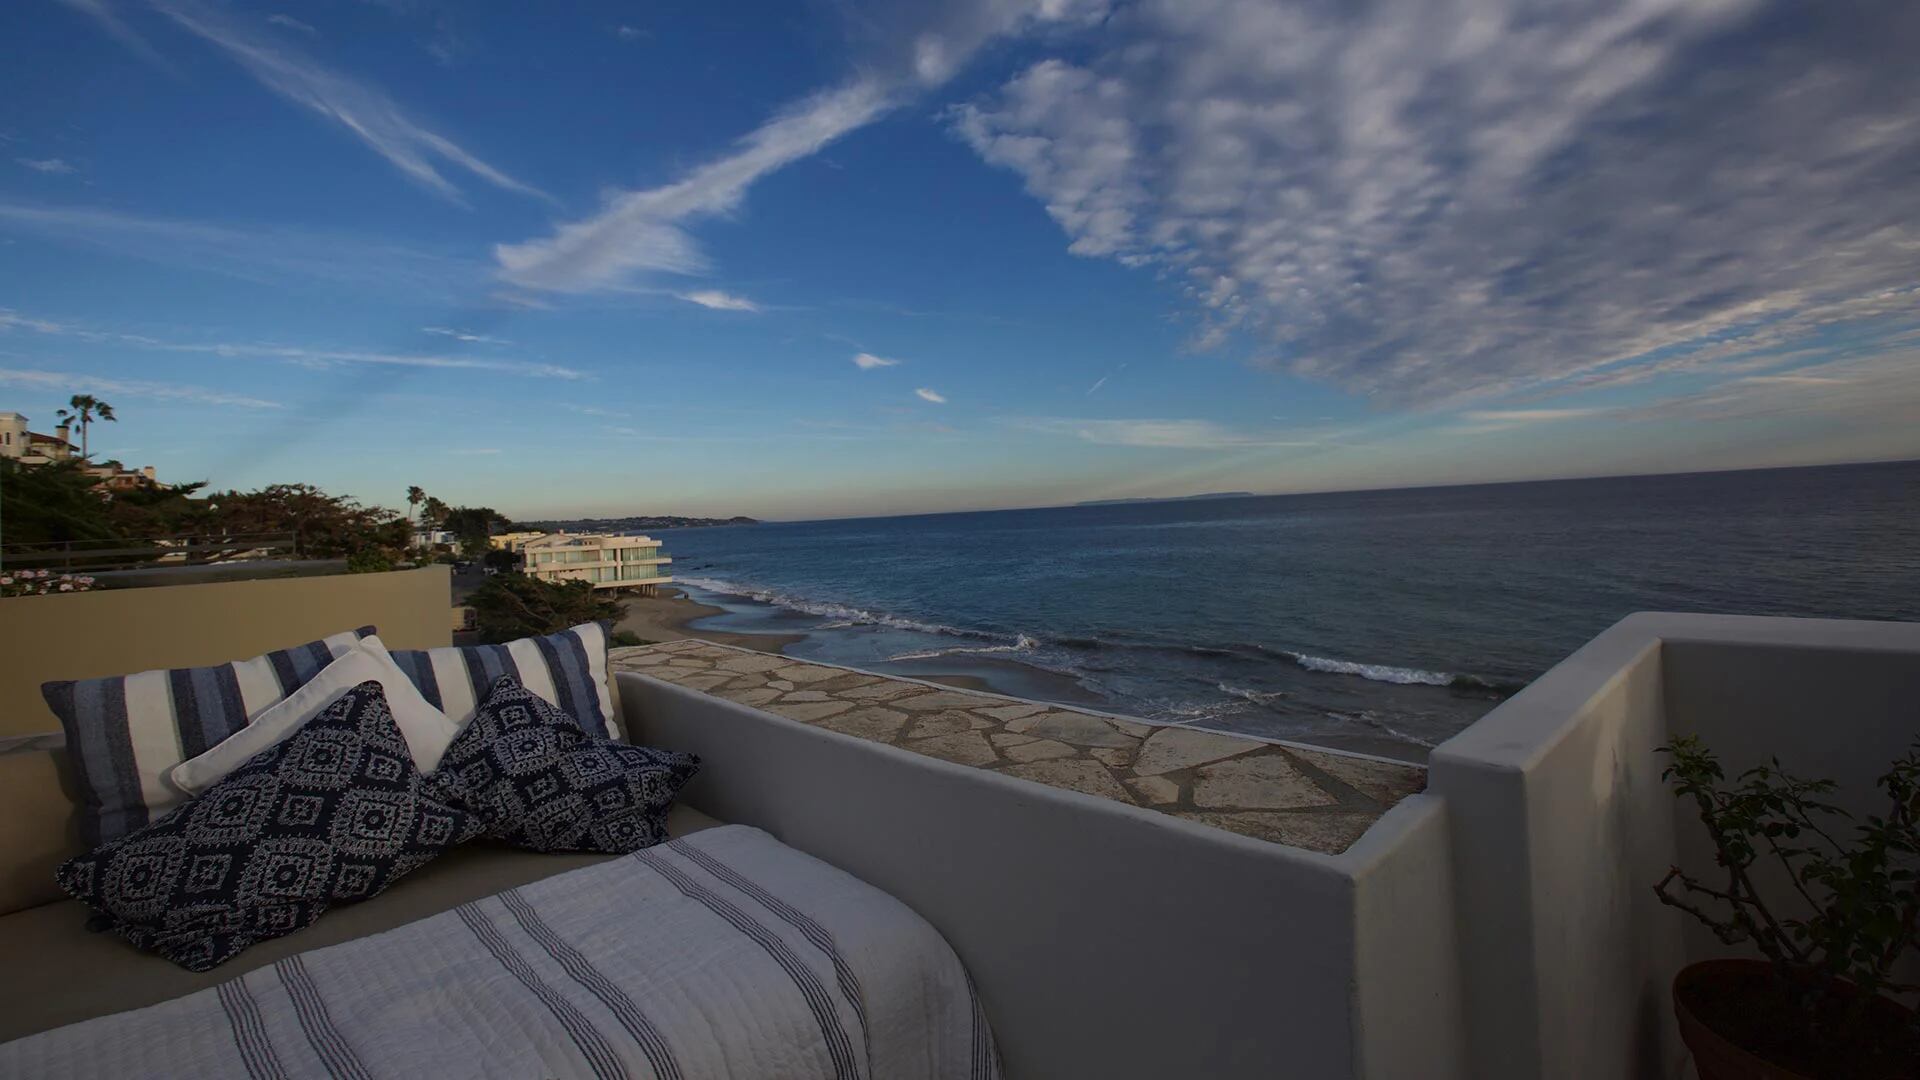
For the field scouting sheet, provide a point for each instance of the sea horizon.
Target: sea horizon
(1343, 490)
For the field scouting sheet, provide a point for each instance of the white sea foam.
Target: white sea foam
(1257, 697)
(840, 616)
(1022, 644)
(1376, 672)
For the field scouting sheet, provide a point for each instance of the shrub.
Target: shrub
(509, 606)
(1862, 911)
(44, 583)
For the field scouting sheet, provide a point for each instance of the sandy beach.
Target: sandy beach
(665, 618)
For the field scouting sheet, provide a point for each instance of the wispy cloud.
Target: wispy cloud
(364, 110)
(52, 166)
(867, 361)
(464, 335)
(925, 394)
(309, 357)
(264, 253)
(62, 382)
(293, 354)
(716, 300)
(1431, 203)
(1164, 434)
(644, 230)
(478, 451)
(116, 27)
(1489, 421)
(291, 23)
(628, 33)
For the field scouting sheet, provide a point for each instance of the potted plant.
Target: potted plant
(1832, 930)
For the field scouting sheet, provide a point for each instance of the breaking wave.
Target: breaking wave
(982, 642)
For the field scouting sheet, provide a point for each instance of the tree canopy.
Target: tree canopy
(510, 606)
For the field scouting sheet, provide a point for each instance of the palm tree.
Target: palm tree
(85, 409)
(415, 496)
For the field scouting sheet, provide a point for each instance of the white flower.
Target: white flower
(64, 587)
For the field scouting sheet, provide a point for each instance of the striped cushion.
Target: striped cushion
(125, 733)
(567, 669)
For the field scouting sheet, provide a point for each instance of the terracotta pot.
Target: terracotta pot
(1718, 1058)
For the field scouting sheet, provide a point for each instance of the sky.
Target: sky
(823, 259)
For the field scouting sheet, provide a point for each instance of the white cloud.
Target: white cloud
(64, 382)
(321, 358)
(919, 46)
(925, 394)
(1429, 201)
(52, 166)
(641, 230)
(1491, 421)
(1165, 434)
(263, 253)
(718, 301)
(868, 361)
(293, 354)
(464, 335)
(365, 111)
(291, 23)
(110, 21)
(629, 33)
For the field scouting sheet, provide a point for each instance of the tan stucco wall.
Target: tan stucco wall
(118, 631)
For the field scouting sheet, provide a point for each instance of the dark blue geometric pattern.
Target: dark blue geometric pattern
(539, 781)
(334, 814)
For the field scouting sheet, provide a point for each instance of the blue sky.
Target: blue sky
(821, 259)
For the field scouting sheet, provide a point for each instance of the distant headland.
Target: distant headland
(1170, 498)
(630, 524)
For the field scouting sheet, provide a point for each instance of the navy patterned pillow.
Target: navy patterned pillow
(332, 815)
(540, 782)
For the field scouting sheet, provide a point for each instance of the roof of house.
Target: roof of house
(586, 540)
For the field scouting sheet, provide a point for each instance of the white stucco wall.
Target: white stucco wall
(1501, 925)
(1561, 825)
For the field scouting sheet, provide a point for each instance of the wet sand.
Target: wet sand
(666, 617)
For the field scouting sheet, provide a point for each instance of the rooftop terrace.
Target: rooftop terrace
(1283, 792)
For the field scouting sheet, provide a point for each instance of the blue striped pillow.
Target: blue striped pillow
(567, 670)
(125, 733)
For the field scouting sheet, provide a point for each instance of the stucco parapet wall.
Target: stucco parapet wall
(1285, 793)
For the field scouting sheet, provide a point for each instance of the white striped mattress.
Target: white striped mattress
(721, 954)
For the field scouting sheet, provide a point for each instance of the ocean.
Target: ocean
(1360, 616)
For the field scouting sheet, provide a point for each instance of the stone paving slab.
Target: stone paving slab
(1284, 793)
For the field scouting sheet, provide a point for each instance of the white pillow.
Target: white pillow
(427, 730)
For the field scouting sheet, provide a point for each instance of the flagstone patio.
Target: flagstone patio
(1283, 792)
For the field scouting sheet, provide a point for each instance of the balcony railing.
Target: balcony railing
(134, 552)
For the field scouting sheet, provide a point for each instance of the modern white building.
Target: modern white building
(604, 561)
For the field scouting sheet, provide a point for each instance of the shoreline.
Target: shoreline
(671, 615)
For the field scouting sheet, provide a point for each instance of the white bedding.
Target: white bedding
(722, 954)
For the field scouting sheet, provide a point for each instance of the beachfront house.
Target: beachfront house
(31, 447)
(512, 541)
(603, 560)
